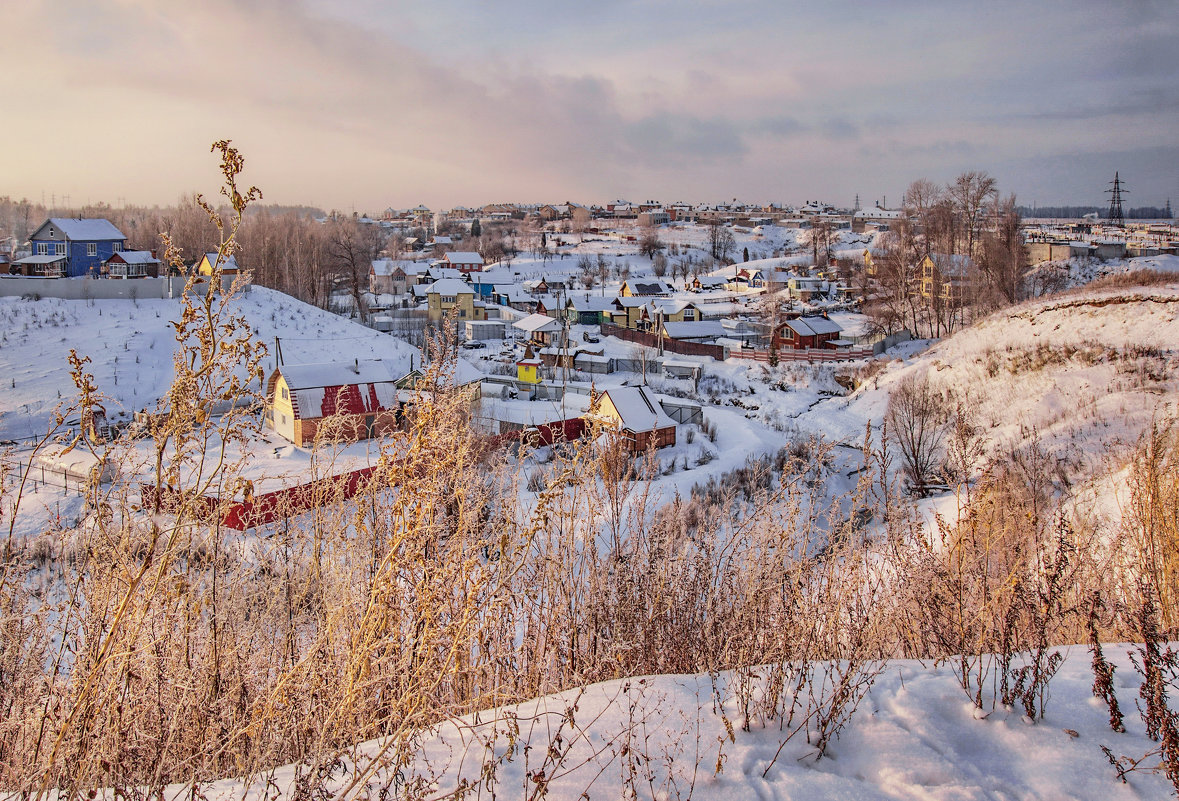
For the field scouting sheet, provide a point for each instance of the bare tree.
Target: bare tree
(720, 240)
(917, 420)
(649, 244)
(970, 193)
(1003, 260)
(353, 248)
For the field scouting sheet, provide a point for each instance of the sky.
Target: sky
(360, 105)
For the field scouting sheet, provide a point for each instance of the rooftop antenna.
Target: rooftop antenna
(1115, 202)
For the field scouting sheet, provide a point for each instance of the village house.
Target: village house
(132, 264)
(392, 276)
(67, 247)
(947, 277)
(801, 333)
(588, 309)
(708, 283)
(637, 415)
(463, 261)
(209, 260)
(646, 288)
(541, 329)
(450, 294)
(340, 402)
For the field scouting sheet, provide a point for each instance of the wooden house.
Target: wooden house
(71, 247)
(449, 294)
(132, 264)
(463, 261)
(948, 278)
(209, 260)
(800, 333)
(341, 401)
(637, 415)
(646, 288)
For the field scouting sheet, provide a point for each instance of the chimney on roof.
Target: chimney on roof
(356, 366)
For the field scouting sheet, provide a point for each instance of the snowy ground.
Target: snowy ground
(914, 736)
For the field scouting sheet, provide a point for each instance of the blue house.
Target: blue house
(72, 247)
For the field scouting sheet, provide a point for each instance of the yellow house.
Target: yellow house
(209, 260)
(528, 368)
(870, 267)
(637, 415)
(347, 402)
(946, 277)
(449, 294)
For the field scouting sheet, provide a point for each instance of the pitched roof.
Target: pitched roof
(638, 409)
(86, 229)
(537, 322)
(813, 326)
(648, 288)
(135, 257)
(327, 388)
(695, 330)
(384, 267)
(463, 257)
(449, 286)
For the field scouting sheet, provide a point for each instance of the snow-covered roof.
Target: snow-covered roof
(812, 326)
(695, 330)
(89, 229)
(463, 257)
(40, 259)
(335, 374)
(385, 267)
(648, 288)
(136, 257)
(449, 286)
(537, 322)
(593, 303)
(228, 263)
(638, 409)
(335, 387)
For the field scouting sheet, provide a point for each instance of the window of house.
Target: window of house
(42, 248)
(448, 298)
(285, 394)
(117, 247)
(91, 248)
(59, 249)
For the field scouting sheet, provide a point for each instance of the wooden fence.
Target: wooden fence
(674, 345)
(810, 355)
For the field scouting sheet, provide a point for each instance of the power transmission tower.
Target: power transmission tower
(1115, 203)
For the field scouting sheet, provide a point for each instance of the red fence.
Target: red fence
(265, 508)
(803, 355)
(271, 506)
(674, 345)
(544, 434)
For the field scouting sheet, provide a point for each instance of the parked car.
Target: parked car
(474, 344)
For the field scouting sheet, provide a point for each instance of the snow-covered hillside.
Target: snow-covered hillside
(130, 344)
(1082, 373)
(915, 736)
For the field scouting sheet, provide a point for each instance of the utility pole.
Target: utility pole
(1115, 202)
